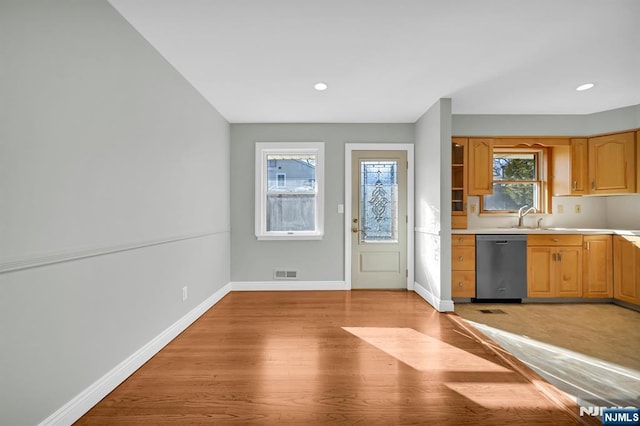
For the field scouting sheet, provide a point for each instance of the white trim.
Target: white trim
(349, 148)
(287, 285)
(34, 261)
(261, 167)
(85, 400)
(436, 302)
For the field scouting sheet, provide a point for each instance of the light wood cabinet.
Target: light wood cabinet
(626, 268)
(597, 273)
(554, 265)
(459, 172)
(480, 173)
(569, 168)
(638, 160)
(612, 164)
(579, 167)
(463, 265)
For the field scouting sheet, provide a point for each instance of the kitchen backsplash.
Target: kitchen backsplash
(614, 212)
(623, 212)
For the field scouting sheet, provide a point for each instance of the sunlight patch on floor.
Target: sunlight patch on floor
(423, 352)
(502, 395)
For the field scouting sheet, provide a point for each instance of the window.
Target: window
(518, 178)
(289, 191)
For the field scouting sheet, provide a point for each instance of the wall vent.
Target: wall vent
(281, 274)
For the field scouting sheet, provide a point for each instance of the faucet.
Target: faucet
(522, 212)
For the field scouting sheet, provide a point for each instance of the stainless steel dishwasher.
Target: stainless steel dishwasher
(501, 267)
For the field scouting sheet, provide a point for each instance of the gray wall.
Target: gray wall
(433, 201)
(103, 146)
(253, 260)
(547, 125)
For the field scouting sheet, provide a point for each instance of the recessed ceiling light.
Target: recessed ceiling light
(320, 86)
(585, 86)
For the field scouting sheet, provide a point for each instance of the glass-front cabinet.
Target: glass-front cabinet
(459, 161)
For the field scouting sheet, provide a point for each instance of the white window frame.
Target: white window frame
(266, 148)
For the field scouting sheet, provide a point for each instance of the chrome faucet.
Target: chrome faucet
(522, 212)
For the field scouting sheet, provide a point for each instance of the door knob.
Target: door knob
(355, 230)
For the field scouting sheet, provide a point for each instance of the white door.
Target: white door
(379, 220)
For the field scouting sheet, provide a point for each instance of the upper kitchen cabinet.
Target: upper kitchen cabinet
(612, 164)
(570, 168)
(480, 171)
(459, 172)
(579, 166)
(596, 166)
(638, 160)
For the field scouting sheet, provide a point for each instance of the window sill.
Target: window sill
(290, 237)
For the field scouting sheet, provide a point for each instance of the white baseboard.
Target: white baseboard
(288, 285)
(436, 302)
(89, 397)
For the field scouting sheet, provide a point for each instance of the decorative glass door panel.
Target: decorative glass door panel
(379, 201)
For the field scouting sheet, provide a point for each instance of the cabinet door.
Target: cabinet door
(480, 170)
(638, 161)
(463, 284)
(597, 273)
(626, 268)
(568, 272)
(463, 258)
(612, 164)
(540, 271)
(579, 166)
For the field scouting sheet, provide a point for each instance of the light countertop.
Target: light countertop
(510, 230)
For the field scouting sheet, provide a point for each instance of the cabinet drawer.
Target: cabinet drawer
(552, 240)
(463, 258)
(463, 240)
(463, 284)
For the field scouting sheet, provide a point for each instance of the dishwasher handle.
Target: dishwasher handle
(501, 242)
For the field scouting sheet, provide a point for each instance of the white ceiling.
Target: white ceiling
(390, 60)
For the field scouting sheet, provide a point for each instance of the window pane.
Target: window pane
(379, 201)
(291, 172)
(514, 166)
(511, 196)
(291, 212)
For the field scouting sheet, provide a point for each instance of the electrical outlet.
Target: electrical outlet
(578, 208)
(184, 293)
(560, 208)
(473, 208)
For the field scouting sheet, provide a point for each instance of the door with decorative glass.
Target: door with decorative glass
(379, 220)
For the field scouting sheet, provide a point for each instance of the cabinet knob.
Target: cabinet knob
(460, 284)
(460, 240)
(461, 258)
(555, 240)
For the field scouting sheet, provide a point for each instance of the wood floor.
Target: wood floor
(360, 357)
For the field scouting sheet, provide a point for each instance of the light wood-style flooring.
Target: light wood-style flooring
(334, 357)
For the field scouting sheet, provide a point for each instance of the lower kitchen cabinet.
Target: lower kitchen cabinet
(554, 265)
(463, 265)
(626, 268)
(597, 273)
